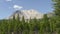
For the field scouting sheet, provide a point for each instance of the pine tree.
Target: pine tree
(56, 4)
(46, 23)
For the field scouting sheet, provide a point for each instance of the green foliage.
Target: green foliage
(32, 26)
(57, 7)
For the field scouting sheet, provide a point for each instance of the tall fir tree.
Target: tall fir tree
(46, 23)
(56, 4)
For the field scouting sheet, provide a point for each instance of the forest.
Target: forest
(46, 25)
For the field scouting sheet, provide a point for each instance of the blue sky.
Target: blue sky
(7, 7)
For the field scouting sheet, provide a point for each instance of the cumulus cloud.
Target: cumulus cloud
(8, 0)
(17, 7)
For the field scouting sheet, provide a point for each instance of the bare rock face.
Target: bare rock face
(28, 14)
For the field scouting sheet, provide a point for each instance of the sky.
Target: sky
(7, 7)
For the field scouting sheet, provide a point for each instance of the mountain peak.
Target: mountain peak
(27, 14)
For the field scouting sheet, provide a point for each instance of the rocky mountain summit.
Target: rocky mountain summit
(28, 14)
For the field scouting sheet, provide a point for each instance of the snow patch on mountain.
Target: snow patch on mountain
(27, 14)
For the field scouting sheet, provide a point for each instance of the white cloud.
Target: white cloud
(8, 0)
(17, 7)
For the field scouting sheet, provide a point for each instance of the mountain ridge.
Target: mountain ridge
(27, 14)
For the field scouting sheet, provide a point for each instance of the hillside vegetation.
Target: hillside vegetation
(33, 26)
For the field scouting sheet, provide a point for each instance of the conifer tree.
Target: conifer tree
(46, 23)
(56, 4)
